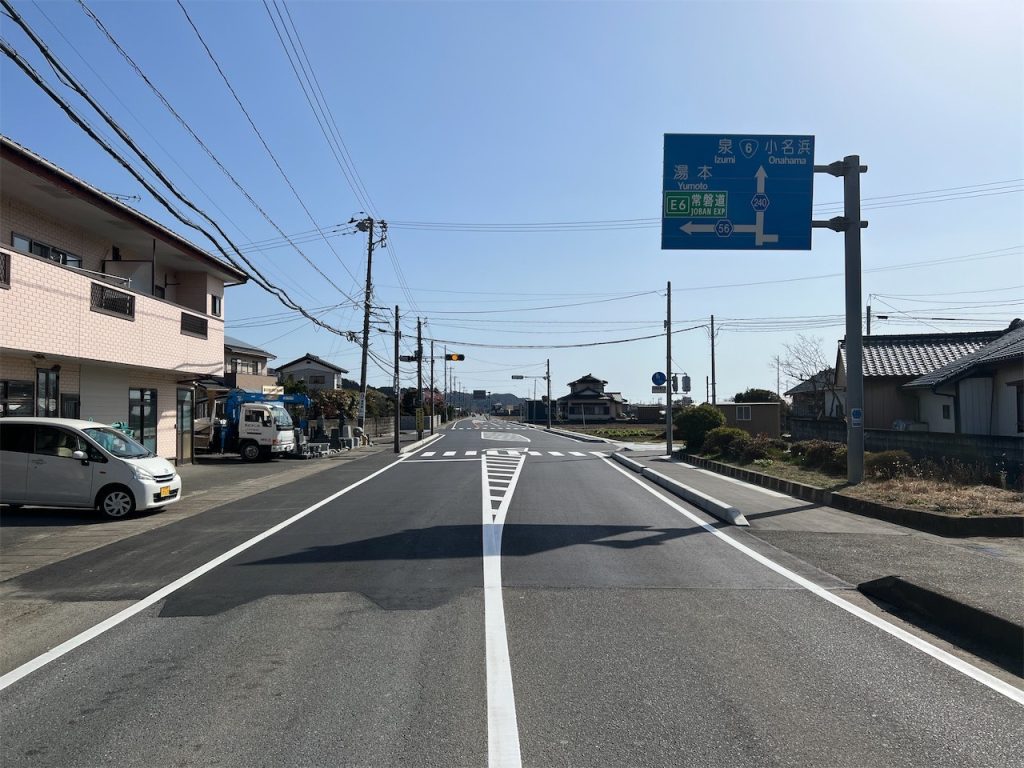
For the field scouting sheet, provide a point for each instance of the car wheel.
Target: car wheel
(116, 502)
(250, 452)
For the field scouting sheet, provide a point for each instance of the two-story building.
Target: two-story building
(587, 401)
(107, 314)
(314, 371)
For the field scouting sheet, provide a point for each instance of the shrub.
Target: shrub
(719, 439)
(754, 449)
(885, 465)
(694, 421)
(818, 453)
(836, 463)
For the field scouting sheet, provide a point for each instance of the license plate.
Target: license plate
(165, 491)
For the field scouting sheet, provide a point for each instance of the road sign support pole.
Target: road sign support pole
(850, 225)
(668, 370)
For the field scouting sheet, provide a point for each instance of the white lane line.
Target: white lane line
(502, 725)
(535, 453)
(118, 618)
(448, 453)
(598, 453)
(471, 453)
(576, 453)
(997, 685)
(436, 461)
(555, 453)
(428, 453)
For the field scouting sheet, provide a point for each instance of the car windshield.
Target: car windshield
(281, 417)
(117, 443)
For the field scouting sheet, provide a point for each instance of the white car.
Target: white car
(49, 462)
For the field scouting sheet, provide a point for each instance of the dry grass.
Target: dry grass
(910, 492)
(936, 496)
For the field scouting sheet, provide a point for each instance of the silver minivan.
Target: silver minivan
(49, 462)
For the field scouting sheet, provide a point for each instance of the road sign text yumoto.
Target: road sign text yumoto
(737, 192)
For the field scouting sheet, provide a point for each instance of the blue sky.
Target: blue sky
(520, 113)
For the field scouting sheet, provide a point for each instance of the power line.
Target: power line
(54, 62)
(188, 128)
(266, 146)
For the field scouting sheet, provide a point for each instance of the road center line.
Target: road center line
(966, 668)
(502, 726)
(118, 618)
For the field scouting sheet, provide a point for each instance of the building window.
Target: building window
(1020, 407)
(216, 305)
(317, 381)
(946, 412)
(142, 416)
(28, 245)
(16, 398)
(238, 365)
(5, 271)
(742, 413)
(193, 325)
(70, 407)
(47, 390)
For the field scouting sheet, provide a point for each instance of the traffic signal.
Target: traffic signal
(454, 357)
(675, 383)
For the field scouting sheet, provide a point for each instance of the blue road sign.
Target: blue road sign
(658, 379)
(737, 192)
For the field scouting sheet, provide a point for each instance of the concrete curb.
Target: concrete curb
(702, 501)
(576, 436)
(419, 443)
(1011, 526)
(997, 636)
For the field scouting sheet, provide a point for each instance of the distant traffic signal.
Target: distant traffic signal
(454, 357)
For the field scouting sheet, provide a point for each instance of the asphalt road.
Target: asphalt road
(372, 631)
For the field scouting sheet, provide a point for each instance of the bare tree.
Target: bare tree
(804, 361)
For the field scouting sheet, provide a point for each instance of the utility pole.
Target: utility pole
(548, 377)
(398, 398)
(433, 396)
(713, 382)
(366, 225)
(419, 379)
(447, 389)
(668, 370)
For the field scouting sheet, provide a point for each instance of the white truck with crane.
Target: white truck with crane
(254, 425)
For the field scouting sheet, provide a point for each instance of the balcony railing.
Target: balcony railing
(112, 302)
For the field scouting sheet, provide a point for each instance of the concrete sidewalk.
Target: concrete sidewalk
(968, 590)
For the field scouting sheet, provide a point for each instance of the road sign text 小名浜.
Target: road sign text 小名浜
(737, 192)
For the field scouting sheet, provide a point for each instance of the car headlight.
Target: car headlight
(141, 474)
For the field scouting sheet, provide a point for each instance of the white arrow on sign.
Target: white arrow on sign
(757, 228)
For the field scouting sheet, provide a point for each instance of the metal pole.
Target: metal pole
(854, 341)
(398, 397)
(361, 417)
(548, 377)
(419, 377)
(447, 389)
(433, 395)
(869, 318)
(713, 382)
(668, 370)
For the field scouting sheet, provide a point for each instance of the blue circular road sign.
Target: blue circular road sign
(659, 378)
